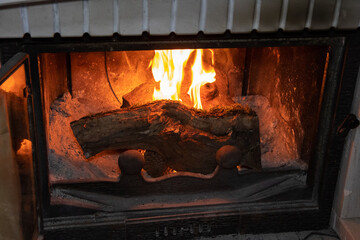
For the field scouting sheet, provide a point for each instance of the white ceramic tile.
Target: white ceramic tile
(323, 14)
(130, 17)
(101, 16)
(187, 19)
(159, 17)
(71, 19)
(216, 16)
(130, 22)
(10, 23)
(243, 16)
(270, 15)
(41, 20)
(349, 14)
(296, 15)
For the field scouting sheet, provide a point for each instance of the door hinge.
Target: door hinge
(27, 91)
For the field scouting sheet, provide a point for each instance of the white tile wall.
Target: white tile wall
(216, 17)
(40, 19)
(131, 20)
(10, 23)
(323, 14)
(270, 15)
(187, 18)
(101, 16)
(349, 14)
(71, 18)
(296, 15)
(160, 17)
(243, 16)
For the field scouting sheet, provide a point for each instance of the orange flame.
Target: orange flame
(200, 77)
(168, 69)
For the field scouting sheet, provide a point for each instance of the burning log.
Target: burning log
(141, 94)
(212, 95)
(187, 138)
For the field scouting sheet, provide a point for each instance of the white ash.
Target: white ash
(277, 139)
(66, 159)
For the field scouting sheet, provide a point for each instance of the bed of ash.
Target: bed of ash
(67, 162)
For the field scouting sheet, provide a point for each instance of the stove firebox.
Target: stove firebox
(184, 137)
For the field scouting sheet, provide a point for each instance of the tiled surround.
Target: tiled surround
(161, 17)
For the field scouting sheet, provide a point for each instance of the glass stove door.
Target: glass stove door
(17, 211)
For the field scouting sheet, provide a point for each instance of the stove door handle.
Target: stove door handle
(350, 122)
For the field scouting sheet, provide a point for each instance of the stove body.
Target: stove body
(299, 199)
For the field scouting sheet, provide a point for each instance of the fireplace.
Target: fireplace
(265, 165)
(106, 81)
(249, 141)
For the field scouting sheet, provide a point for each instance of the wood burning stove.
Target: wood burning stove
(262, 156)
(300, 84)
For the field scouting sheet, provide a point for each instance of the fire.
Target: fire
(168, 69)
(200, 77)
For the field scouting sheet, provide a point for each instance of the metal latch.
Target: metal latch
(350, 122)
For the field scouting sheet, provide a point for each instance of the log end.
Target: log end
(131, 162)
(228, 156)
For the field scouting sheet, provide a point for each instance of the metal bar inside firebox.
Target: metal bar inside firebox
(246, 76)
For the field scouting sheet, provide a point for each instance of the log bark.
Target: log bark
(187, 138)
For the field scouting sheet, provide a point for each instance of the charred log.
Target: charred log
(187, 138)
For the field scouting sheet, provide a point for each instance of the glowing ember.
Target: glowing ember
(168, 69)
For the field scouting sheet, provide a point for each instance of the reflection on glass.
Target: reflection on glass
(17, 217)
(15, 83)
